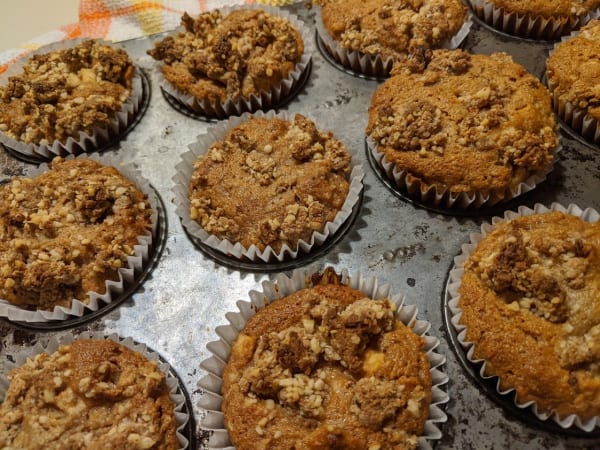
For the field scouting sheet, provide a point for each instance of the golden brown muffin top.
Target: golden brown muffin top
(391, 28)
(469, 123)
(573, 70)
(64, 92)
(270, 182)
(529, 297)
(91, 394)
(548, 8)
(326, 368)
(220, 57)
(67, 231)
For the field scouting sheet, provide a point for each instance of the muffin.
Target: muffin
(93, 393)
(233, 60)
(327, 366)
(462, 129)
(539, 19)
(370, 36)
(572, 71)
(528, 301)
(264, 187)
(67, 231)
(67, 98)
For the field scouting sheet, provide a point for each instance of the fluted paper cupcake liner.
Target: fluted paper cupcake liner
(127, 275)
(456, 273)
(235, 249)
(86, 142)
(443, 197)
(575, 117)
(373, 65)
(282, 286)
(528, 26)
(264, 100)
(175, 390)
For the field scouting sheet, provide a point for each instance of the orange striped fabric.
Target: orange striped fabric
(119, 20)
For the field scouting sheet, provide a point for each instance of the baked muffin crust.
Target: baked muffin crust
(92, 394)
(529, 297)
(64, 92)
(573, 70)
(390, 28)
(67, 231)
(270, 182)
(464, 122)
(326, 368)
(220, 57)
(548, 8)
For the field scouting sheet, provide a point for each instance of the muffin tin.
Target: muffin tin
(187, 294)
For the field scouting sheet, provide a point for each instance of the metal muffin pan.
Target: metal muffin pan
(187, 294)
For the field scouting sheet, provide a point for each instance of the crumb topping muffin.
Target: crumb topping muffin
(270, 182)
(66, 232)
(325, 368)
(573, 70)
(529, 301)
(548, 8)
(226, 57)
(64, 92)
(390, 28)
(90, 394)
(464, 122)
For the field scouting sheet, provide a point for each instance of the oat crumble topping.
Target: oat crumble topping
(221, 57)
(67, 231)
(64, 92)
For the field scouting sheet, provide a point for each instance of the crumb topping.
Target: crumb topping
(334, 373)
(270, 182)
(545, 8)
(465, 122)
(221, 57)
(89, 394)
(67, 231)
(62, 93)
(390, 28)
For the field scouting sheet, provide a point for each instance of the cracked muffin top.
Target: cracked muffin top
(464, 122)
(392, 28)
(270, 182)
(92, 394)
(529, 297)
(220, 57)
(326, 368)
(64, 92)
(67, 231)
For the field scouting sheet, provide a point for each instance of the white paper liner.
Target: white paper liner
(175, 390)
(528, 26)
(443, 197)
(265, 99)
(575, 117)
(237, 250)
(99, 136)
(127, 275)
(282, 286)
(373, 65)
(456, 273)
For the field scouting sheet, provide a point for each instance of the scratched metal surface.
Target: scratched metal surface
(187, 294)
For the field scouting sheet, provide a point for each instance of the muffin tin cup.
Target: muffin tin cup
(98, 137)
(453, 287)
(528, 26)
(372, 66)
(136, 263)
(236, 250)
(440, 197)
(282, 286)
(577, 119)
(264, 100)
(176, 389)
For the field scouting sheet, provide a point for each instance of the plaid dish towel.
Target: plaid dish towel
(119, 20)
